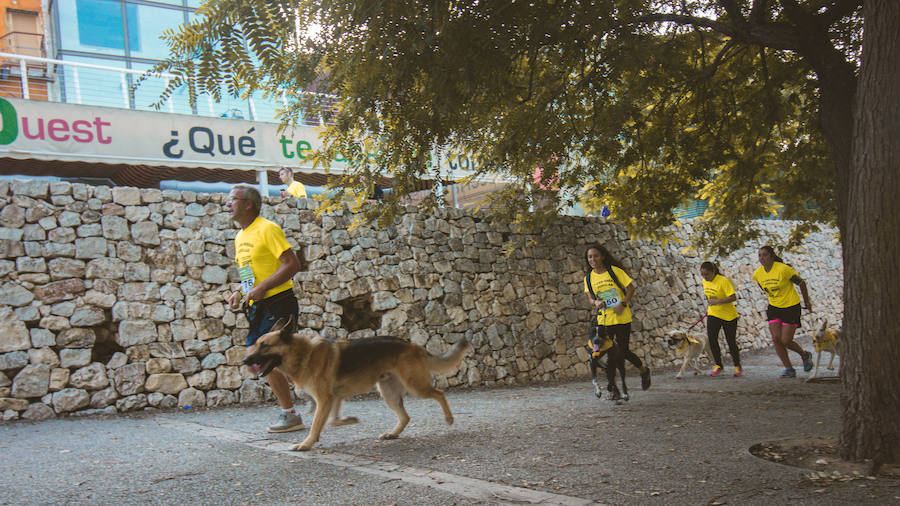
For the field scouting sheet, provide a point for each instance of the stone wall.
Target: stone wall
(112, 300)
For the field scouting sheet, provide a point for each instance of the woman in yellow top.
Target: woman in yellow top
(613, 290)
(777, 280)
(721, 314)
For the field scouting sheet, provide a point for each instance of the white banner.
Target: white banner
(33, 129)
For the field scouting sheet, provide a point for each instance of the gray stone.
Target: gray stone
(191, 397)
(63, 268)
(103, 398)
(32, 381)
(183, 330)
(204, 380)
(66, 308)
(70, 399)
(105, 268)
(11, 249)
(209, 328)
(90, 247)
(13, 360)
(42, 337)
(44, 356)
(145, 233)
(131, 403)
(76, 338)
(79, 357)
(12, 216)
(36, 188)
(214, 275)
(28, 264)
(37, 412)
(220, 398)
(15, 295)
(14, 334)
(129, 379)
(254, 391)
(91, 377)
(228, 377)
(166, 350)
(132, 332)
(212, 360)
(186, 365)
(115, 228)
(87, 316)
(117, 360)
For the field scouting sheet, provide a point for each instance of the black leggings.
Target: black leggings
(713, 324)
(620, 352)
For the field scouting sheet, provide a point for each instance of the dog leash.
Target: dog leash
(695, 323)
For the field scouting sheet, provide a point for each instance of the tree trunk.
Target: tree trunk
(870, 224)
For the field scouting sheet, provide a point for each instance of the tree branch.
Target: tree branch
(773, 35)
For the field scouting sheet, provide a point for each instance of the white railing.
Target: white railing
(33, 77)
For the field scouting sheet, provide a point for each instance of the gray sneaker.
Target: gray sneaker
(288, 422)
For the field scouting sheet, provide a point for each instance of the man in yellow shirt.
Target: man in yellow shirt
(294, 188)
(266, 265)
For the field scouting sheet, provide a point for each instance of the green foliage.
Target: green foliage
(637, 104)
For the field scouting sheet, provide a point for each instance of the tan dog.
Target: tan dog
(689, 345)
(331, 371)
(825, 339)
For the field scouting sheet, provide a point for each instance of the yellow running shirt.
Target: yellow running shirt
(297, 189)
(778, 285)
(257, 249)
(607, 291)
(719, 288)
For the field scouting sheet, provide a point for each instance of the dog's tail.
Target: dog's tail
(447, 362)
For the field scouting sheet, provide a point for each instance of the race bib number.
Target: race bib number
(247, 279)
(610, 298)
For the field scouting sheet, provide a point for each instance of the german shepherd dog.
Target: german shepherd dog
(330, 371)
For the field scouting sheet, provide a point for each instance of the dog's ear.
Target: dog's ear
(285, 326)
(825, 325)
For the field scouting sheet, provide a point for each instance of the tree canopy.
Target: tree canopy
(638, 104)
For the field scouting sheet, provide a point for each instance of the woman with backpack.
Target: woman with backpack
(610, 289)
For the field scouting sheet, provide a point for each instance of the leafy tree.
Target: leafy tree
(761, 106)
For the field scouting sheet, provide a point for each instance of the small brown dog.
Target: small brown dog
(689, 345)
(331, 371)
(826, 339)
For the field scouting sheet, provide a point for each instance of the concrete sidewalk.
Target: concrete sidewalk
(681, 442)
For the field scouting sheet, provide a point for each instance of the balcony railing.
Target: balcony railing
(90, 84)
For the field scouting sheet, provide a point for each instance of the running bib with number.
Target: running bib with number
(609, 297)
(247, 278)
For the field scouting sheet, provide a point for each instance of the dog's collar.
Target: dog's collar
(686, 342)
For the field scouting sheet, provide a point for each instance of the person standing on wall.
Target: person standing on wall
(613, 289)
(777, 281)
(721, 313)
(294, 188)
(266, 265)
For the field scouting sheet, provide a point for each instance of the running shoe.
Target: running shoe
(738, 371)
(597, 391)
(645, 379)
(788, 372)
(717, 370)
(807, 361)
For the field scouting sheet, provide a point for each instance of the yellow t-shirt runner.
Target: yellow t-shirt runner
(607, 291)
(719, 288)
(257, 249)
(297, 189)
(778, 285)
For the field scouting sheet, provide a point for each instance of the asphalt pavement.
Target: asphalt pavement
(681, 442)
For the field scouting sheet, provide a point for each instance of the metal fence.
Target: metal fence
(37, 78)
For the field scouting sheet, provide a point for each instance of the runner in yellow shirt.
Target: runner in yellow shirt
(266, 265)
(777, 280)
(294, 188)
(721, 314)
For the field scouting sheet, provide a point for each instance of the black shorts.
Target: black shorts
(784, 315)
(263, 314)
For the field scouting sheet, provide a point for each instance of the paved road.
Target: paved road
(681, 442)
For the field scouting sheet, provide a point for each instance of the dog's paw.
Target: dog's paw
(386, 436)
(302, 447)
(449, 420)
(831, 368)
(347, 420)
(679, 377)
